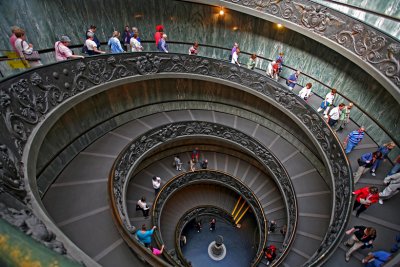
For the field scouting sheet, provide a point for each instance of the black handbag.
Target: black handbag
(361, 163)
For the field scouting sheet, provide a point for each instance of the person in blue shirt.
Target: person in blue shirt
(366, 161)
(115, 44)
(144, 235)
(353, 139)
(279, 60)
(377, 258)
(292, 80)
(385, 150)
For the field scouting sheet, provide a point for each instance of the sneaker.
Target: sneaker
(380, 201)
(373, 174)
(347, 259)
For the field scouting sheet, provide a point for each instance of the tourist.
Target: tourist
(235, 57)
(195, 155)
(156, 184)
(306, 91)
(194, 49)
(204, 164)
(142, 205)
(334, 114)
(159, 33)
(361, 237)
(92, 29)
(126, 37)
(251, 64)
(192, 165)
(353, 139)
(235, 46)
(182, 241)
(62, 50)
(271, 227)
(14, 29)
(92, 48)
(135, 30)
(392, 188)
(283, 231)
(327, 101)
(177, 163)
(115, 44)
(365, 197)
(279, 60)
(366, 161)
(135, 44)
(376, 259)
(197, 225)
(272, 70)
(162, 44)
(25, 50)
(385, 150)
(270, 253)
(396, 167)
(292, 80)
(344, 118)
(212, 224)
(156, 251)
(144, 235)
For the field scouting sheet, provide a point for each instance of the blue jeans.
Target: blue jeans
(350, 146)
(395, 169)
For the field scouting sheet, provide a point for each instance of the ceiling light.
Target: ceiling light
(221, 12)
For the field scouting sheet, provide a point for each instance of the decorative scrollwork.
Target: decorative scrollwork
(372, 46)
(151, 139)
(26, 99)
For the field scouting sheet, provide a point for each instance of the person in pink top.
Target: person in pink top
(156, 251)
(14, 29)
(62, 50)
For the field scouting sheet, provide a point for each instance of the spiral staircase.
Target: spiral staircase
(93, 133)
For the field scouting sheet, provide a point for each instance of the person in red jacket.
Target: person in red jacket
(365, 197)
(270, 253)
(159, 33)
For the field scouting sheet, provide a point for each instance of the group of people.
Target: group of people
(194, 162)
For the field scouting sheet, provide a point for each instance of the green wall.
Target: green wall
(44, 20)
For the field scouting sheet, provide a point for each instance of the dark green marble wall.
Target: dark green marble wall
(44, 20)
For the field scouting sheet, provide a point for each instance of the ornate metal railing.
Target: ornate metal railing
(195, 213)
(212, 176)
(341, 32)
(131, 156)
(31, 101)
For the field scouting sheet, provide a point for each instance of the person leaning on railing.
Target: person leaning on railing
(62, 51)
(23, 48)
(92, 48)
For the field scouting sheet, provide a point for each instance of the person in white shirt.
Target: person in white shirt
(142, 205)
(235, 57)
(135, 44)
(306, 91)
(62, 50)
(178, 163)
(334, 114)
(23, 48)
(92, 46)
(156, 184)
(327, 101)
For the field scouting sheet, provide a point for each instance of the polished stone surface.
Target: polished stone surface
(188, 22)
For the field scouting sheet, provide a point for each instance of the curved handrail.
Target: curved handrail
(29, 99)
(139, 148)
(193, 213)
(326, 87)
(221, 178)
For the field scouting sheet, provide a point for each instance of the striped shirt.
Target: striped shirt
(355, 137)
